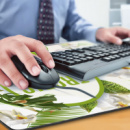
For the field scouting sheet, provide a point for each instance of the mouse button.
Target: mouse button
(42, 79)
(38, 60)
(44, 68)
(25, 73)
(45, 78)
(54, 75)
(19, 65)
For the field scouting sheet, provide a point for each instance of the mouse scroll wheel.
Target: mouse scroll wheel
(44, 68)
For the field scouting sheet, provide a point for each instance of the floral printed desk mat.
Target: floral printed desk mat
(27, 109)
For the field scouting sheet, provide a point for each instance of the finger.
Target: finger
(42, 52)
(10, 70)
(40, 49)
(123, 32)
(27, 59)
(113, 39)
(4, 80)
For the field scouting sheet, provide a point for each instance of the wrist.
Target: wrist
(100, 34)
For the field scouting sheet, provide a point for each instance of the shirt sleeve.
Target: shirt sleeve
(77, 28)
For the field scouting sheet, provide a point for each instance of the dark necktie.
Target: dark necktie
(45, 31)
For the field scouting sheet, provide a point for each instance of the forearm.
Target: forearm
(84, 32)
(76, 27)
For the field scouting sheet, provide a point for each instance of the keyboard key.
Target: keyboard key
(69, 62)
(59, 52)
(57, 59)
(68, 55)
(88, 54)
(114, 52)
(62, 56)
(117, 56)
(83, 59)
(55, 54)
(122, 55)
(75, 54)
(106, 54)
(127, 53)
(80, 51)
(81, 55)
(68, 52)
(77, 61)
(106, 59)
(99, 52)
(102, 55)
(94, 53)
(112, 57)
(96, 56)
(69, 58)
(76, 57)
(90, 58)
(63, 53)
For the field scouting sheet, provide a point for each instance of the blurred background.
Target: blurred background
(105, 13)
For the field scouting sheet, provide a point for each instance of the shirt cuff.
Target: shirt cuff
(90, 34)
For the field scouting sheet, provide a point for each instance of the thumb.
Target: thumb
(113, 39)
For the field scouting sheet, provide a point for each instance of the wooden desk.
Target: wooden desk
(119, 120)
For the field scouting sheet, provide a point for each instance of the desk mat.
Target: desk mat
(32, 108)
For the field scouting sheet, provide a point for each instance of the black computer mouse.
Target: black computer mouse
(47, 78)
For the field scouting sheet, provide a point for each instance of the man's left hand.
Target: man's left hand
(112, 35)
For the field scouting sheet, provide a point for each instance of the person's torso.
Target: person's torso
(21, 16)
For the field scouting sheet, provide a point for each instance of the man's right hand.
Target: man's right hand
(22, 47)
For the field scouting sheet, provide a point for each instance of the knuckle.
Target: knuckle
(14, 75)
(19, 36)
(34, 42)
(6, 39)
(29, 59)
(38, 43)
(18, 45)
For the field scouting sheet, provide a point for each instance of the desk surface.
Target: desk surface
(119, 120)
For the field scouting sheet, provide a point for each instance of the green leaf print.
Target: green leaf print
(90, 106)
(110, 87)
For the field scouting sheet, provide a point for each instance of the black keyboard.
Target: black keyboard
(89, 62)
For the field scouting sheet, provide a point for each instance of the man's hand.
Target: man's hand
(22, 47)
(112, 35)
